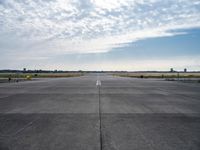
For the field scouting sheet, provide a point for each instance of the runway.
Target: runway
(99, 112)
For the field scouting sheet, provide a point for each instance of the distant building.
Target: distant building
(185, 70)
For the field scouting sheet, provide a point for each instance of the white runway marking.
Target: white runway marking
(98, 83)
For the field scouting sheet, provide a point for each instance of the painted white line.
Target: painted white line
(98, 83)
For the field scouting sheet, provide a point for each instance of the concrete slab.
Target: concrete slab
(63, 113)
(49, 132)
(150, 132)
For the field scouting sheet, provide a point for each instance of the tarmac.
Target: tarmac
(99, 112)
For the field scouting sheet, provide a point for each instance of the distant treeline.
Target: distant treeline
(81, 71)
(37, 71)
(55, 71)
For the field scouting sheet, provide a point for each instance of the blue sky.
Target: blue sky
(100, 34)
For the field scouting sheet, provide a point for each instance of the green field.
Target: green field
(39, 75)
(159, 75)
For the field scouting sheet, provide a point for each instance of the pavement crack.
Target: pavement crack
(25, 127)
(100, 114)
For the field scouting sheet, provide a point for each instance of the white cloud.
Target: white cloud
(50, 27)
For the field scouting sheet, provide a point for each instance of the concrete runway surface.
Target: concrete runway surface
(99, 112)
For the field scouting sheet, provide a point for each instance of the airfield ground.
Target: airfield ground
(117, 114)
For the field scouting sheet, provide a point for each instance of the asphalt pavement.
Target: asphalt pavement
(99, 112)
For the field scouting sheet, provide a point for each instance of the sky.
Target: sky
(121, 35)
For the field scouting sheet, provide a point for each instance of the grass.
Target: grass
(159, 75)
(39, 75)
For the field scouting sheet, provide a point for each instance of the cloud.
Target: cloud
(53, 27)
